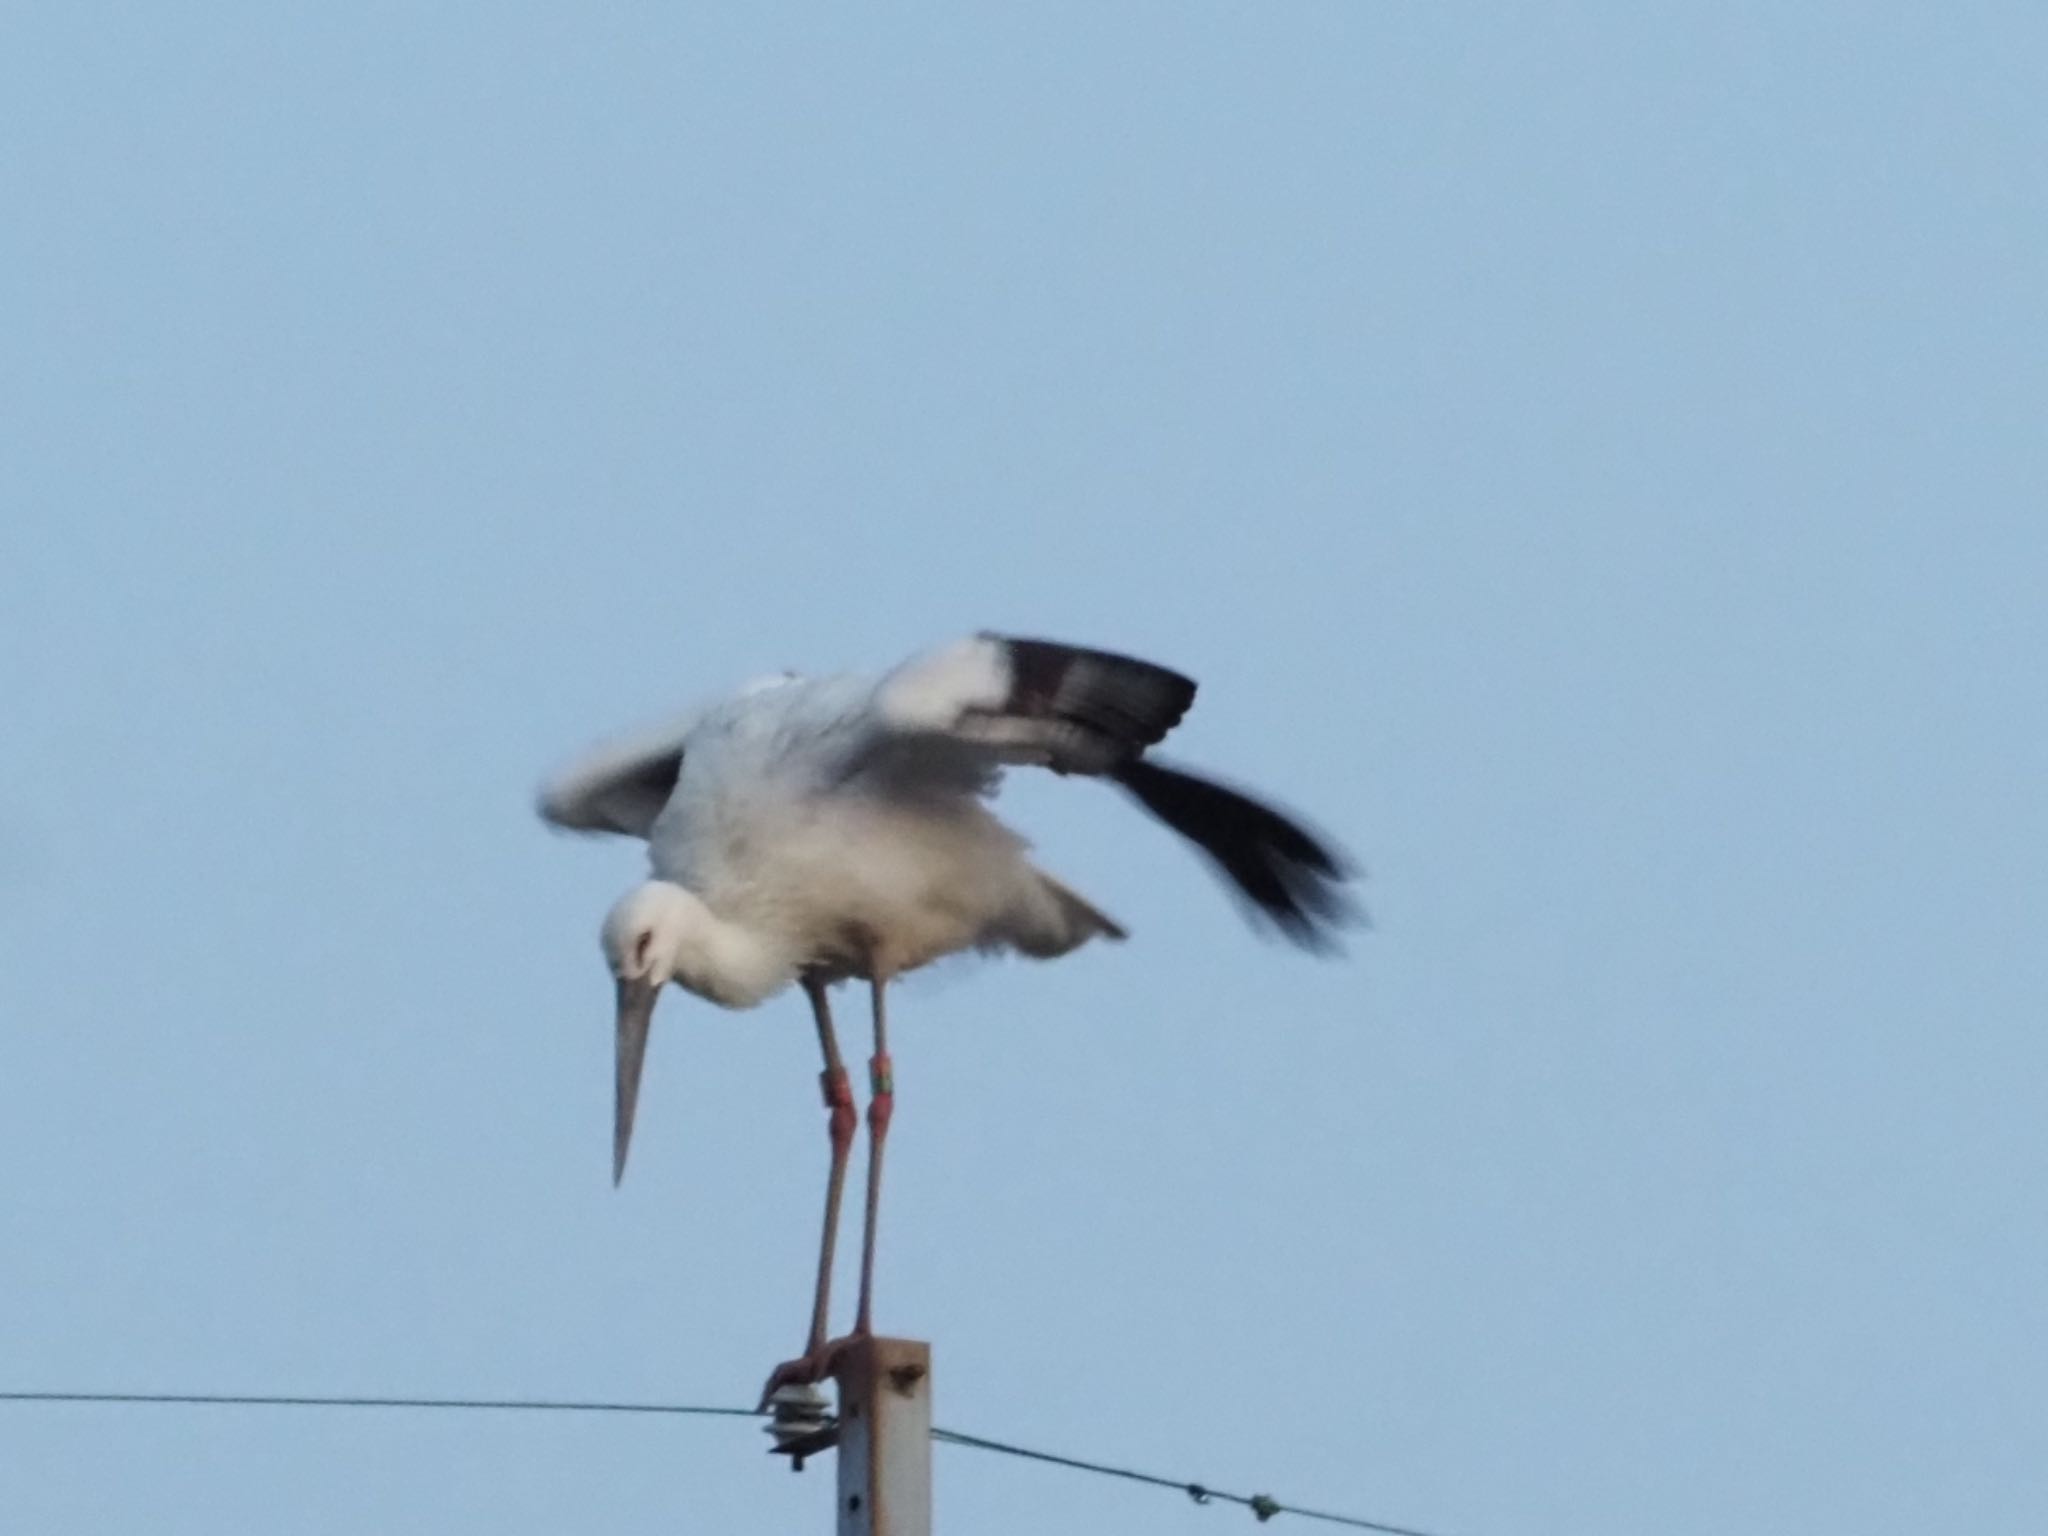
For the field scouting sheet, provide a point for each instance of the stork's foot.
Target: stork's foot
(810, 1368)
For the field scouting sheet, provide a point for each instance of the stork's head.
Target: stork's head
(648, 930)
(659, 933)
(651, 937)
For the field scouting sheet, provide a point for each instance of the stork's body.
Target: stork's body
(810, 831)
(826, 852)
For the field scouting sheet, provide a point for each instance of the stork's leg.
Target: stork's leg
(815, 1362)
(881, 1106)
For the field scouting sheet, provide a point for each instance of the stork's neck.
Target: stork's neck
(732, 965)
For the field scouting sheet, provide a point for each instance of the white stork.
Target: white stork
(809, 831)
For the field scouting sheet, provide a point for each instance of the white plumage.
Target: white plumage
(812, 830)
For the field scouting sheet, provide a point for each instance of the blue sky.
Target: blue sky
(1592, 457)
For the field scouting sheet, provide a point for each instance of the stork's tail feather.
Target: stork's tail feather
(1290, 878)
(1083, 918)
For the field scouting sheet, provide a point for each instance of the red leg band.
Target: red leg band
(839, 1099)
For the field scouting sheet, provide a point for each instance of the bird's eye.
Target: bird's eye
(640, 948)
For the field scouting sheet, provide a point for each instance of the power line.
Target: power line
(1263, 1505)
(520, 1405)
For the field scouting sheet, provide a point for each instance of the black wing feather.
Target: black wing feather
(1290, 878)
(1121, 704)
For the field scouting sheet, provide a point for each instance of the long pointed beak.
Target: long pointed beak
(636, 1013)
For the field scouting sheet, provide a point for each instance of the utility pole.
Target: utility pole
(883, 1435)
(885, 1438)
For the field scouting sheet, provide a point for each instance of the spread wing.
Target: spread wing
(979, 704)
(620, 786)
(1002, 700)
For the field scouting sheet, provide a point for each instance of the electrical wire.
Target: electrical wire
(1262, 1505)
(226, 1400)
